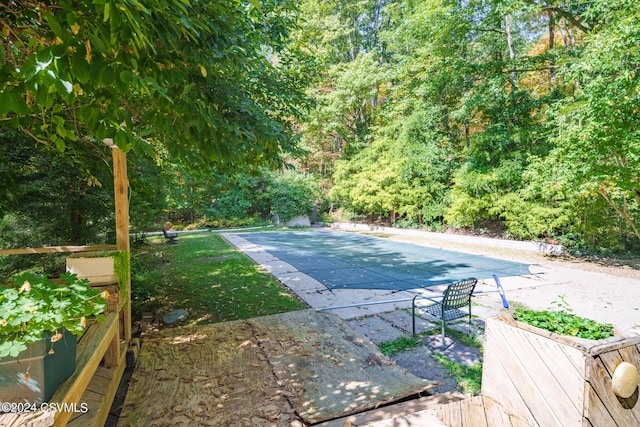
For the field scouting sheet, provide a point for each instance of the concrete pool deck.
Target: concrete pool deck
(604, 294)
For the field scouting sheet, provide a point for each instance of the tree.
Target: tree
(597, 144)
(49, 198)
(208, 80)
(344, 38)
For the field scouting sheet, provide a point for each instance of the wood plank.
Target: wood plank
(123, 243)
(496, 416)
(631, 354)
(330, 368)
(577, 358)
(112, 355)
(518, 422)
(473, 413)
(210, 375)
(396, 411)
(30, 419)
(596, 412)
(478, 411)
(539, 382)
(497, 382)
(52, 249)
(90, 399)
(90, 350)
(562, 381)
(614, 343)
(512, 420)
(423, 418)
(451, 414)
(100, 394)
(600, 383)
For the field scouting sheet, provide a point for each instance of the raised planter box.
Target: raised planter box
(552, 380)
(45, 371)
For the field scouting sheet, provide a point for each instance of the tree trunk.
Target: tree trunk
(552, 36)
(512, 52)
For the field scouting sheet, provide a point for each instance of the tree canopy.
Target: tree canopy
(445, 113)
(208, 81)
(518, 115)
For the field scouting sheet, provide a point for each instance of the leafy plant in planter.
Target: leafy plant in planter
(563, 322)
(36, 306)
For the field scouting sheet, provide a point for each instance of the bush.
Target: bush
(293, 194)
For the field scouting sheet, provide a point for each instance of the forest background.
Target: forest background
(513, 117)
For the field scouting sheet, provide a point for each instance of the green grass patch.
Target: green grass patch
(464, 338)
(469, 378)
(390, 348)
(206, 276)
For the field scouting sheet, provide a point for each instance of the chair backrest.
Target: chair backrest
(458, 294)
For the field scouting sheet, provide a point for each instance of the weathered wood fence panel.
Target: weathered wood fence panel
(550, 380)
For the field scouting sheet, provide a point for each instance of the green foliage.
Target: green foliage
(52, 199)
(149, 182)
(121, 266)
(242, 197)
(424, 112)
(478, 116)
(597, 148)
(563, 322)
(210, 81)
(404, 172)
(34, 306)
(292, 194)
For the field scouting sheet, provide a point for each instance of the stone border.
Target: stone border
(532, 246)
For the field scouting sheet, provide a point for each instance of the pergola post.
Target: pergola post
(121, 197)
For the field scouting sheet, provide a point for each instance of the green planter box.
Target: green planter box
(46, 371)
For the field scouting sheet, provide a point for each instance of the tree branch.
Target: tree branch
(565, 14)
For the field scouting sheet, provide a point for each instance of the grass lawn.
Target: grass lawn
(206, 276)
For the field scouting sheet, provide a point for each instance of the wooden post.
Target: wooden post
(121, 197)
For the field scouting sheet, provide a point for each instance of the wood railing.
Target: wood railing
(54, 249)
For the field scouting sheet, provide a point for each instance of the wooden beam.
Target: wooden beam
(100, 394)
(52, 249)
(91, 348)
(121, 198)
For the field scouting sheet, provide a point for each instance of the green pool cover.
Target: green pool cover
(344, 260)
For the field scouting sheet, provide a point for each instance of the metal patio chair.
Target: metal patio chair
(446, 308)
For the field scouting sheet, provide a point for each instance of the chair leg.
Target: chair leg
(443, 336)
(413, 316)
